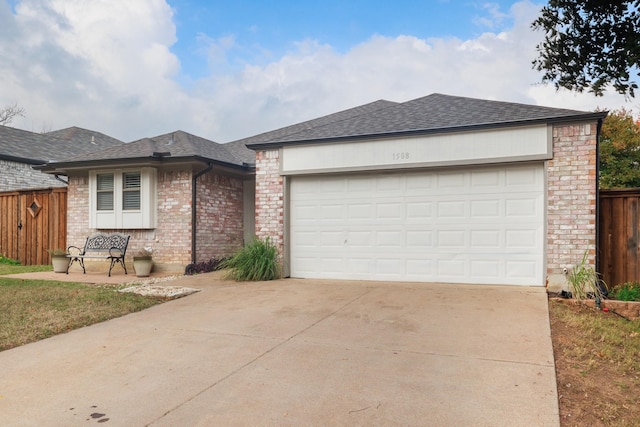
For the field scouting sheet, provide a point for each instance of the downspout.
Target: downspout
(194, 180)
(60, 179)
(598, 194)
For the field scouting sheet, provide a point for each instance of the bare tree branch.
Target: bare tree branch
(7, 114)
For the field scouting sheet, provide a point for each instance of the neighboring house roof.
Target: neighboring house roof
(170, 147)
(84, 140)
(432, 113)
(38, 148)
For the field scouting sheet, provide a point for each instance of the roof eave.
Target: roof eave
(432, 131)
(66, 167)
(18, 159)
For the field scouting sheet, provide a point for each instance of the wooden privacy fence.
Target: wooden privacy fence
(619, 236)
(31, 222)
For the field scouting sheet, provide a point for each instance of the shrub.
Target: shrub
(204, 267)
(256, 261)
(629, 291)
(8, 261)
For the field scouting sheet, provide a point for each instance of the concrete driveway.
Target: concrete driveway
(297, 353)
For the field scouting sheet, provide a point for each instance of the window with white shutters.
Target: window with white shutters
(122, 199)
(131, 191)
(104, 189)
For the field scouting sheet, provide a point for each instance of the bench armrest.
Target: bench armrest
(74, 251)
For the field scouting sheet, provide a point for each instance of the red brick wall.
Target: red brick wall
(270, 198)
(571, 198)
(219, 226)
(170, 241)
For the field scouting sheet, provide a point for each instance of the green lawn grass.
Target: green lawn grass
(32, 310)
(17, 269)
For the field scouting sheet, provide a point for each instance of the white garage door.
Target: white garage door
(480, 225)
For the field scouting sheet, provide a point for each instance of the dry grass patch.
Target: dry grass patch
(31, 310)
(597, 365)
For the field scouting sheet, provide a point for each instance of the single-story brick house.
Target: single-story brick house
(437, 189)
(154, 189)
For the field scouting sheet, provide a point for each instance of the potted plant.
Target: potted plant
(59, 260)
(143, 262)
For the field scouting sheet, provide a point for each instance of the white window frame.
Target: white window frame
(119, 218)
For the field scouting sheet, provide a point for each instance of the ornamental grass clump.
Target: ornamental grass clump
(585, 282)
(256, 261)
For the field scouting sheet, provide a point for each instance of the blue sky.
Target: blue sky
(225, 70)
(265, 30)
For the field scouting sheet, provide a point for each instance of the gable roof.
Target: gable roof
(38, 148)
(240, 146)
(429, 114)
(170, 147)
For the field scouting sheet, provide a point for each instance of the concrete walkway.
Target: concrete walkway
(297, 353)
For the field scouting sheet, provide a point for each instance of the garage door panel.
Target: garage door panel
(392, 239)
(418, 184)
(521, 177)
(520, 269)
(487, 180)
(486, 239)
(451, 239)
(519, 207)
(452, 269)
(486, 208)
(486, 269)
(523, 238)
(451, 209)
(479, 225)
(359, 211)
(392, 210)
(363, 239)
(451, 181)
(419, 211)
(419, 268)
(388, 267)
(419, 240)
(390, 183)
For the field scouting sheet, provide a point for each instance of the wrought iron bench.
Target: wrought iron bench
(112, 247)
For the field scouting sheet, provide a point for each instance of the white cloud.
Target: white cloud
(107, 65)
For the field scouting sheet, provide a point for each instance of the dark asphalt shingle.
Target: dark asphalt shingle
(429, 113)
(239, 147)
(178, 144)
(38, 148)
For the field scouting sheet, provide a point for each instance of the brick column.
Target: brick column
(571, 213)
(270, 198)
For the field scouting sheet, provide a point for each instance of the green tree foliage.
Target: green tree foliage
(589, 44)
(620, 151)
